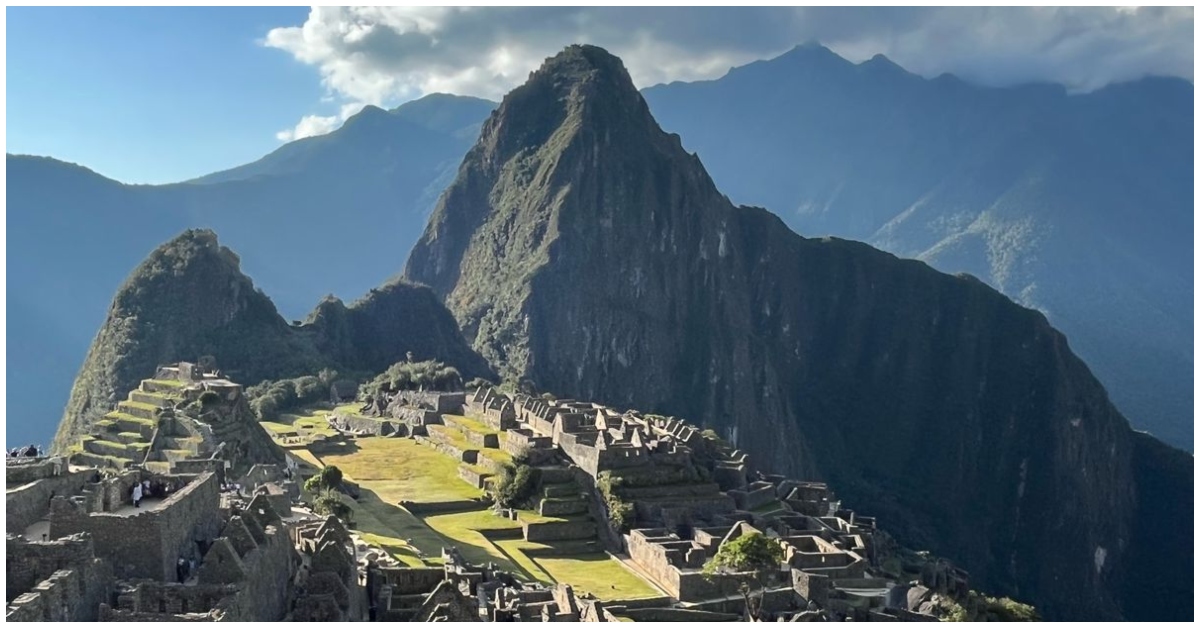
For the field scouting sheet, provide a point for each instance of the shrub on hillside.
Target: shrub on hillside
(427, 375)
(516, 485)
(271, 398)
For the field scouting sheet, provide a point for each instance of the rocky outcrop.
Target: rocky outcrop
(583, 249)
(190, 299)
(392, 320)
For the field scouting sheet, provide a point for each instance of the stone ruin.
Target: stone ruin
(178, 421)
(194, 549)
(199, 550)
(690, 494)
(397, 413)
(459, 591)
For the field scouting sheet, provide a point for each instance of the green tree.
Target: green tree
(755, 559)
(330, 503)
(620, 512)
(329, 479)
(515, 485)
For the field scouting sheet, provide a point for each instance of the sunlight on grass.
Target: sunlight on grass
(399, 469)
(598, 574)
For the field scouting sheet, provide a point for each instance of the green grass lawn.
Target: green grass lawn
(464, 526)
(391, 470)
(116, 415)
(513, 550)
(598, 574)
(140, 405)
(311, 420)
(349, 408)
(500, 456)
(448, 434)
(399, 469)
(533, 517)
(469, 424)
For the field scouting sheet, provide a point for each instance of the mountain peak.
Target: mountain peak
(812, 51)
(581, 90)
(583, 73)
(583, 62)
(882, 62)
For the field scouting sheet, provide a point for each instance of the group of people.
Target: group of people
(231, 487)
(146, 488)
(29, 451)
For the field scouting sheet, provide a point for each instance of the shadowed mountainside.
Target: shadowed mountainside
(584, 251)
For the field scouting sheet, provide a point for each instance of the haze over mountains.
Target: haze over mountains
(330, 214)
(1079, 205)
(583, 250)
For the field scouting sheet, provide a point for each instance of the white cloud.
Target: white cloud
(308, 127)
(386, 55)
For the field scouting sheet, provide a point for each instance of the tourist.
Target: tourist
(137, 495)
(181, 570)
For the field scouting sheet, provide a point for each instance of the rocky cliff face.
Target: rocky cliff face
(190, 299)
(1076, 204)
(583, 249)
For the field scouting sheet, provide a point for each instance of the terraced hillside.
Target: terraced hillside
(426, 492)
(179, 414)
(124, 436)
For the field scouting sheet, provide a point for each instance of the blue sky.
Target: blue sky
(157, 95)
(146, 95)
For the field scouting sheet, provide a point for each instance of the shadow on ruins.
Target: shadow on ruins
(221, 534)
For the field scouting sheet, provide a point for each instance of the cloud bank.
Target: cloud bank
(387, 55)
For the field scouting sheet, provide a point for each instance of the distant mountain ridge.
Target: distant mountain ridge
(189, 298)
(329, 214)
(1079, 205)
(583, 251)
(963, 177)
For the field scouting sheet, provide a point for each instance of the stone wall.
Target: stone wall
(162, 600)
(811, 587)
(539, 449)
(558, 530)
(473, 475)
(412, 580)
(28, 562)
(481, 440)
(814, 554)
(28, 504)
(369, 425)
(20, 471)
(755, 495)
(147, 544)
(55, 581)
(439, 402)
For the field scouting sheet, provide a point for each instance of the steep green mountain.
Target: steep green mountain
(583, 249)
(329, 214)
(190, 299)
(1079, 205)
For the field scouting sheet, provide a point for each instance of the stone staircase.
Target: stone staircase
(563, 510)
(473, 444)
(124, 436)
(562, 499)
